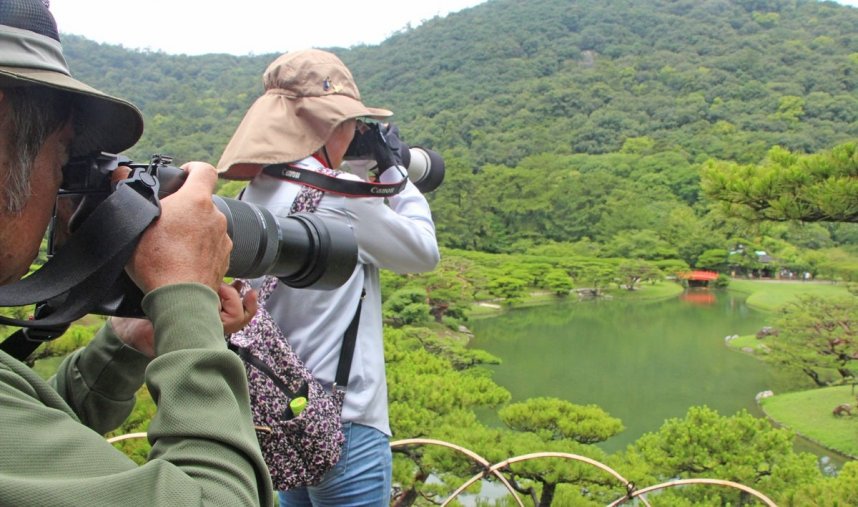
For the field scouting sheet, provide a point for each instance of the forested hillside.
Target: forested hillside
(579, 122)
(714, 77)
(509, 79)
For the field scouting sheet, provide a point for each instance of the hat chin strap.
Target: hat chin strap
(324, 153)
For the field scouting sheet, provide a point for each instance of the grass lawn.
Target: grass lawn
(769, 295)
(809, 414)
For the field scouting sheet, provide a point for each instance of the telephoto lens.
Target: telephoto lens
(425, 167)
(301, 249)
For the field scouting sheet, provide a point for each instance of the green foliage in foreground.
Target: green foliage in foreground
(741, 448)
(537, 425)
(789, 186)
(840, 491)
(816, 334)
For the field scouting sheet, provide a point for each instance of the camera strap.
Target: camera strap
(350, 188)
(87, 270)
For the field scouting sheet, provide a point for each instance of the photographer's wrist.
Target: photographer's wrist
(134, 333)
(393, 174)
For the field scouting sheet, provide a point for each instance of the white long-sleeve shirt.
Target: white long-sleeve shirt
(398, 235)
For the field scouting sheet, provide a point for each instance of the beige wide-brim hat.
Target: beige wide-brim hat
(31, 55)
(307, 94)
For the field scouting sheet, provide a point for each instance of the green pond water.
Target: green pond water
(642, 362)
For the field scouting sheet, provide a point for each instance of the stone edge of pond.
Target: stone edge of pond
(495, 307)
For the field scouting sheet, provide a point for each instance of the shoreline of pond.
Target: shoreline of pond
(746, 345)
(647, 292)
(758, 291)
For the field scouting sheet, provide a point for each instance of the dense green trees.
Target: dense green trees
(596, 78)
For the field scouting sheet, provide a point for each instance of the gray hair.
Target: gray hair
(35, 113)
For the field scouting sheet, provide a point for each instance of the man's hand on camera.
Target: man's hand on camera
(188, 243)
(236, 311)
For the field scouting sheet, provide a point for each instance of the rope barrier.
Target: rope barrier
(525, 457)
(632, 491)
(467, 452)
(683, 482)
(127, 436)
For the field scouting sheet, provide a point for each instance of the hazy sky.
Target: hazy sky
(245, 27)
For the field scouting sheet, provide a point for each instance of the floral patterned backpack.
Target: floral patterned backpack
(297, 419)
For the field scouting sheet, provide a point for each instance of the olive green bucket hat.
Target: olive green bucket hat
(31, 55)
(307, 94)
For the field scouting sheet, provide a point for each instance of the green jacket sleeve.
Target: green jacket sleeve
(204, 449)
(99, 382)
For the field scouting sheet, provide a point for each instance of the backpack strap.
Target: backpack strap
(308, 198)
(348, 350)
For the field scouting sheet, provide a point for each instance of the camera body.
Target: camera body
(302, 250)
(425, 167)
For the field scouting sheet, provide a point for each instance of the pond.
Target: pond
(643, 362)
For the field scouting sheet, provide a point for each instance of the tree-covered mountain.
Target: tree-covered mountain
(507, 79)
(582, 122)
(717, 78)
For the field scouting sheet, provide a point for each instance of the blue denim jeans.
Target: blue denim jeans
(361, 478)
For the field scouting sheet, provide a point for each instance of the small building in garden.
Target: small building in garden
(699, 278)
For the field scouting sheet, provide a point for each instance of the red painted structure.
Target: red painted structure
(700, 276)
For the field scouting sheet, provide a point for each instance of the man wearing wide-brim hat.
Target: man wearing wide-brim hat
(52, 448)
(306, 119)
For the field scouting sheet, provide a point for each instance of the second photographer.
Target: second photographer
(306, 120)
